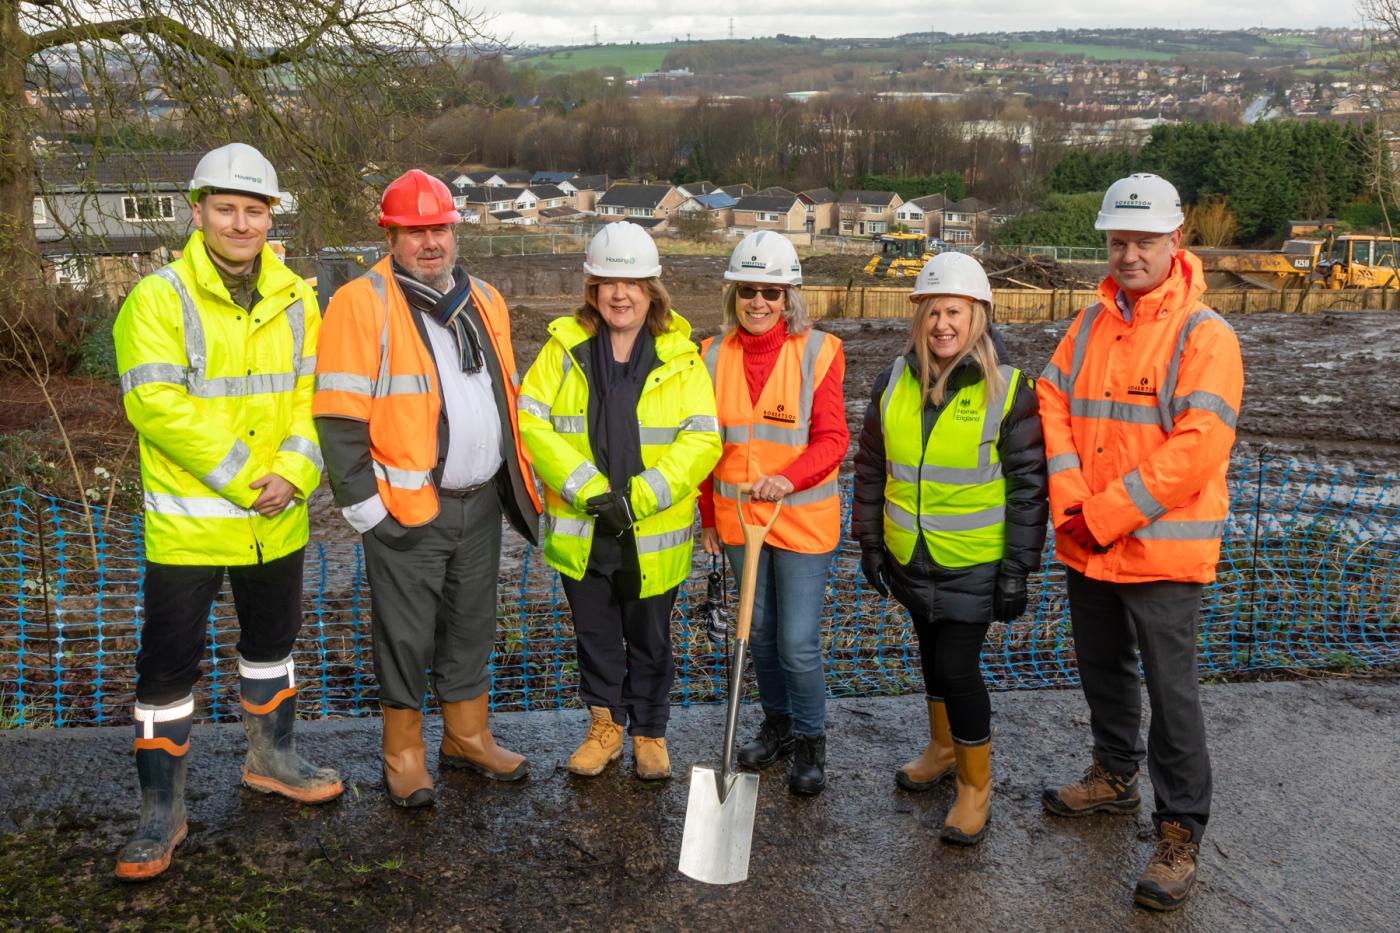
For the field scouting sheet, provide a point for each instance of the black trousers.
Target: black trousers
(1113, 624)
(951, 656)
(624, 648)
(176, 600)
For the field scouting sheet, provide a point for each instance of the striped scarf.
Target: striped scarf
(449, 310)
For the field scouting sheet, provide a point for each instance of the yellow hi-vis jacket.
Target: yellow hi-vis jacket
(220, 397)
(680, 446)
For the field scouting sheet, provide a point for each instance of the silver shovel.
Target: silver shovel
(719, 813)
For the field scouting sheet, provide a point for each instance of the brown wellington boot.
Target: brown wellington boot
(649, 756)
(602, 745)
(937, 762)
(966, 822)
(467, 743)
(406, 777)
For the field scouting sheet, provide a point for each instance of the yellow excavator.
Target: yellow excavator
(1359, 261)
(901, 255)
(1347, 261)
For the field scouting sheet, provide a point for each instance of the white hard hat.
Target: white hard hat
(236, 167)
(953, 274)
(622, 250)
(1142, 201)
(765, 257)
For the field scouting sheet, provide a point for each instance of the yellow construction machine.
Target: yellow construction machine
(1348, 261)
(901, 254)
(1359, 261)
(1265, 268)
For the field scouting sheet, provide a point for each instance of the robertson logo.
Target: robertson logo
(1133, 203)
(780, 415)
(1144, 387)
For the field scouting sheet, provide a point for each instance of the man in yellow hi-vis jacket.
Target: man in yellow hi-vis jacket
(217, 359)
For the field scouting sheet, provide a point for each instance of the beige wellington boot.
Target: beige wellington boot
(966, 822)
(937, 762)
(406, 777)
(467, 743)
(602, 745)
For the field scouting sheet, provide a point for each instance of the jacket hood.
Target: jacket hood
(1182, 289)
(675, 341)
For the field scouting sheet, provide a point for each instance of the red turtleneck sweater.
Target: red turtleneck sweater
(827, 438)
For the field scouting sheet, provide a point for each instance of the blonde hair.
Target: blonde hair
(934, 388)
(658, 314)
(794, 308)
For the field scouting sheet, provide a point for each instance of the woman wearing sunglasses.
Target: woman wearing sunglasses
(782, 415)
(619, 418)
(949, 509)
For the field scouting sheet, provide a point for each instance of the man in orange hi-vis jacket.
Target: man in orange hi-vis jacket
(1139, 405)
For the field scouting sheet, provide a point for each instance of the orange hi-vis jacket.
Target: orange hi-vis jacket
(1139, 413)
(373, 366)
(763, 438)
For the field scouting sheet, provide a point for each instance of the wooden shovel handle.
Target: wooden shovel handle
(754, 536)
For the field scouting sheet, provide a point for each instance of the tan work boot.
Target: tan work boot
(649, 756)
(406, 777)
(967, 820)
(1171, 872)
(937, 761)
(1098, 791)
(467, 743)
(602, 744)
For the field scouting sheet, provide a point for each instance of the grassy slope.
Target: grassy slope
(632, 59)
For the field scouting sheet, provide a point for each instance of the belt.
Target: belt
(464, 493)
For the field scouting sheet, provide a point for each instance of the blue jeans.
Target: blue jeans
(786, 635)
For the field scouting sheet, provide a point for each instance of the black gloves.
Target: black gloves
(872, 565)
(612, 513)
(1009, 600)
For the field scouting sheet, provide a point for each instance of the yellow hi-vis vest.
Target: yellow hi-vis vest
(680, 446)
(950, 489)
(220, 397)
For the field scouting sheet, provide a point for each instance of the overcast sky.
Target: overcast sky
(549, 22)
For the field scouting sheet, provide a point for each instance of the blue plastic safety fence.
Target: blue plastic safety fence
(1308, 578)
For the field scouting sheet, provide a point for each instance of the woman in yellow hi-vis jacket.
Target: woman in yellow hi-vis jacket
(949, 509)
(618, 415)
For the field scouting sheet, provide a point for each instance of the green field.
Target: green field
(632, 59)
(1082, 50)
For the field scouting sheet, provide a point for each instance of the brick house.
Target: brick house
(784, 212)
(866, 213)
(820, 204)
(638, 202)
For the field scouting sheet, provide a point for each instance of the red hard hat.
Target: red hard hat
(417, 199)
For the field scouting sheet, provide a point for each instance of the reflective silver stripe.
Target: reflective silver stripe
(960, 476)
(726, 490)
(1205, 401)
(296, 320)
(810, 351)
(1144, 500)
(403, 479)
(515, 379)
(417, 384)
(896, 373)
(792, 437)
(815, 494)
(1180, 531)
(381, 380)
(353, 383)
(991, 417)
(657, 437)
(193, 325)
(266, 670)
(1061, 462)
(652, 544)
(573, 527)
(1057, 377)
(149, 373)
(734, 434)
(903, 472)
(712, 356)
(1113, 411)
(297, 444)
(241, 386)
(533, 406)
(1081, 341)
(901, 517)
(228, 468)
(659, 487)
(307, 366)
(701, 423)
(569, 424)
(162, 503)
(566, 364)
(969, 521)
(169, 712)
(1166, 397)
(577, 480)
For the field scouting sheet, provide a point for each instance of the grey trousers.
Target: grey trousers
(434, 603)
(1114, 623)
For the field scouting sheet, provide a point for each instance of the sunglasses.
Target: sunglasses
(772, 293)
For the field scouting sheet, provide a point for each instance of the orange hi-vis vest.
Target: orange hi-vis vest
(1139, 414)
(762, 438)
(373, 366)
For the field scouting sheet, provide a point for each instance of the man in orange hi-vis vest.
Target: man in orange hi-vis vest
(1139, 405)
(415, 402)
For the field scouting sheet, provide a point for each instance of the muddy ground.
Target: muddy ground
(1304, 832)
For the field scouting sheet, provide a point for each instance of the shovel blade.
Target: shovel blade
(718, 834)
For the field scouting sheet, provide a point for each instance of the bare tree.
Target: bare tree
(322, 86)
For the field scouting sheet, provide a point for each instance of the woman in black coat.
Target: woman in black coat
(950, 510)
